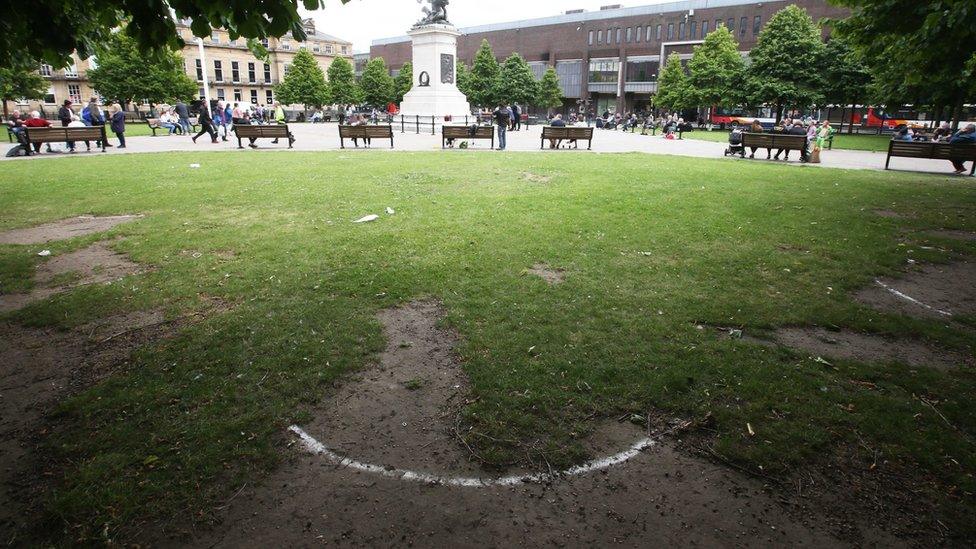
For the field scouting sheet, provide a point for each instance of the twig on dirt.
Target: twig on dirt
(131, 330)
(457, 433)
(946, 420)
(224, 506)
(739, 468)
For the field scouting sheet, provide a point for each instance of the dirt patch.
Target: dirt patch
(64, 229)
(96, 264)
(535, 178)
(954, 235)
(547, 273)
(891, 214)
(869, 348)
(928, 291)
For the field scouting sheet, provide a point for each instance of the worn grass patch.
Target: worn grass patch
(653, 251)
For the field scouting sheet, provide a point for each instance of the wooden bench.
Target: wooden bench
(770, 141)
(269, 131)
(567, 133)
(963, 152)
(465, 133)
(153, 124)
(364, 133)
(62, 135)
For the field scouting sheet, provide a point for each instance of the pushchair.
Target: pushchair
(735, 144)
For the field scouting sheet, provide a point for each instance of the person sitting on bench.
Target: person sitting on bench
(357, 119)
(966, 135)
(35, 121)
(556, 122)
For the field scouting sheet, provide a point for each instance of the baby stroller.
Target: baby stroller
(735, 144)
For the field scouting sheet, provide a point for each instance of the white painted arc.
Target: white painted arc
(911, 299)
(317, 448)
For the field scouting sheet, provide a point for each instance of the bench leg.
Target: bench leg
(888, 162)
(391, 141)
(240, 144)
(972, 172)
(342, 143)
(291, 140)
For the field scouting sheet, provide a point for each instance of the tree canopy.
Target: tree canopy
(19, 82)
(304, 84)
(717, 70)
(342, 83)
(787, 62)
(484, 77)
(550, 93)
(377, 84)
(516, 83)
(123, 74)
(672, 87)
(50, 30)
(464, 82)
(403, 82)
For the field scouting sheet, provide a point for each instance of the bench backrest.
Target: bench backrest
(464, 132)
(271, 130)
(362, 132)
(774, 140)
(54, 135)
(566, 132)
(153, 122)
(940, 151)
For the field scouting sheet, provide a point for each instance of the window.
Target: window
(287, 69)
(670, 31)
(599, 37)
(641, 70)
(718, 23)
(648, 33)
(743, 26)
(757, 24)
(199, 71)
(268, 97)
(316, 48)
(267, 73)
(731, 24)
(201, 92)
(237, 96)
(659, 32)
(330, 49)
(251, 75)
(638, 34)
(285, 45)
(46, 69)
(345, 50)
(49, 96)
(218, 71)
(604, 71)
(630, 34)
(264, 42)
(704, 29)
(254, 97)
(590, 39)
(71, 72)
(232, 42)
(694, 30)
(618, 35)
(215, 38)
(220, 94)
(74, 93)
(681, 30)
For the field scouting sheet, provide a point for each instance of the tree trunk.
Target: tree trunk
(850, 128)
(957, 114)
(843, 114)
(779, 113)
(5, 115)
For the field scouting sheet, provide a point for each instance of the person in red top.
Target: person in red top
(35, 121)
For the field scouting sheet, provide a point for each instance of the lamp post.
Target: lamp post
(203, 68)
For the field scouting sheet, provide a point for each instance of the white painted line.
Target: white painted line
(896, 293)
(317, 448)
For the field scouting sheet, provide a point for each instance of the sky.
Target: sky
(362, 21)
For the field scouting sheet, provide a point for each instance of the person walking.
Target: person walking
(279, 117)
(228, 120)
(95, 118)
(517, 115)
(64, 116)
(503, 117)
(966, 135)
(183, 112)
(218, 119)
(118, 124)
(206, 123)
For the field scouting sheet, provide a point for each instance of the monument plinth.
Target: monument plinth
(435, 92)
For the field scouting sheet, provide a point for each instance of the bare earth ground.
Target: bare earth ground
(937, 289)
(64, 229)
(401, 414)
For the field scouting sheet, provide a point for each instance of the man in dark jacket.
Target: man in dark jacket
(206, 123)
(964, 136)
(516, 117)
(183, 112)
(794, 129)
(64, 115)
(503, 117)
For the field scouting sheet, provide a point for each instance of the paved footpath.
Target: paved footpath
(325, 137)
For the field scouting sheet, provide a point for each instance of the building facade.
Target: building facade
(232, 72)
(610, 59)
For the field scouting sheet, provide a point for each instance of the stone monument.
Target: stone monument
(435, 92)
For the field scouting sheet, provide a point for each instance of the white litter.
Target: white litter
(367, 219)
(44, 253)
(194, 165)
(390, 211)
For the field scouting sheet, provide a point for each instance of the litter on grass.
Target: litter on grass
(367, 219)
(194, 165)
(44, 253)
(390, 211)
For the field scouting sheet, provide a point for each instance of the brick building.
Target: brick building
(612, 57)
(233, 73)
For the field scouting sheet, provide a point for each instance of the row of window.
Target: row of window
(285, 44)
(239, 96)
(690, 30)
(235, 72)
(48, 70)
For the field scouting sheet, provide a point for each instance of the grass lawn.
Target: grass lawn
(876, 143)
(653, 247)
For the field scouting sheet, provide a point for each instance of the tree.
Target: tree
(342, 83)
(123, 74)
(20, 82)
(483, 83)
(847, 78)
(921, 47)
(787, 62)
(516, 83)
(304, 84)
(716, 70)
(550, 93)
(403, 82)
(51, 30)
(672, 87)
(377, 84)
(464, 81)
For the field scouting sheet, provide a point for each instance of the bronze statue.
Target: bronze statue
(436, 13)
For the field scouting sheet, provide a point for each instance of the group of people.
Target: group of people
(817, 135)
(90, 115)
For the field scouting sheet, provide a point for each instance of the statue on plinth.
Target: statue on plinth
(436, 14)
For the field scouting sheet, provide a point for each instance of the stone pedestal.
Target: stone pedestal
(435, 91)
